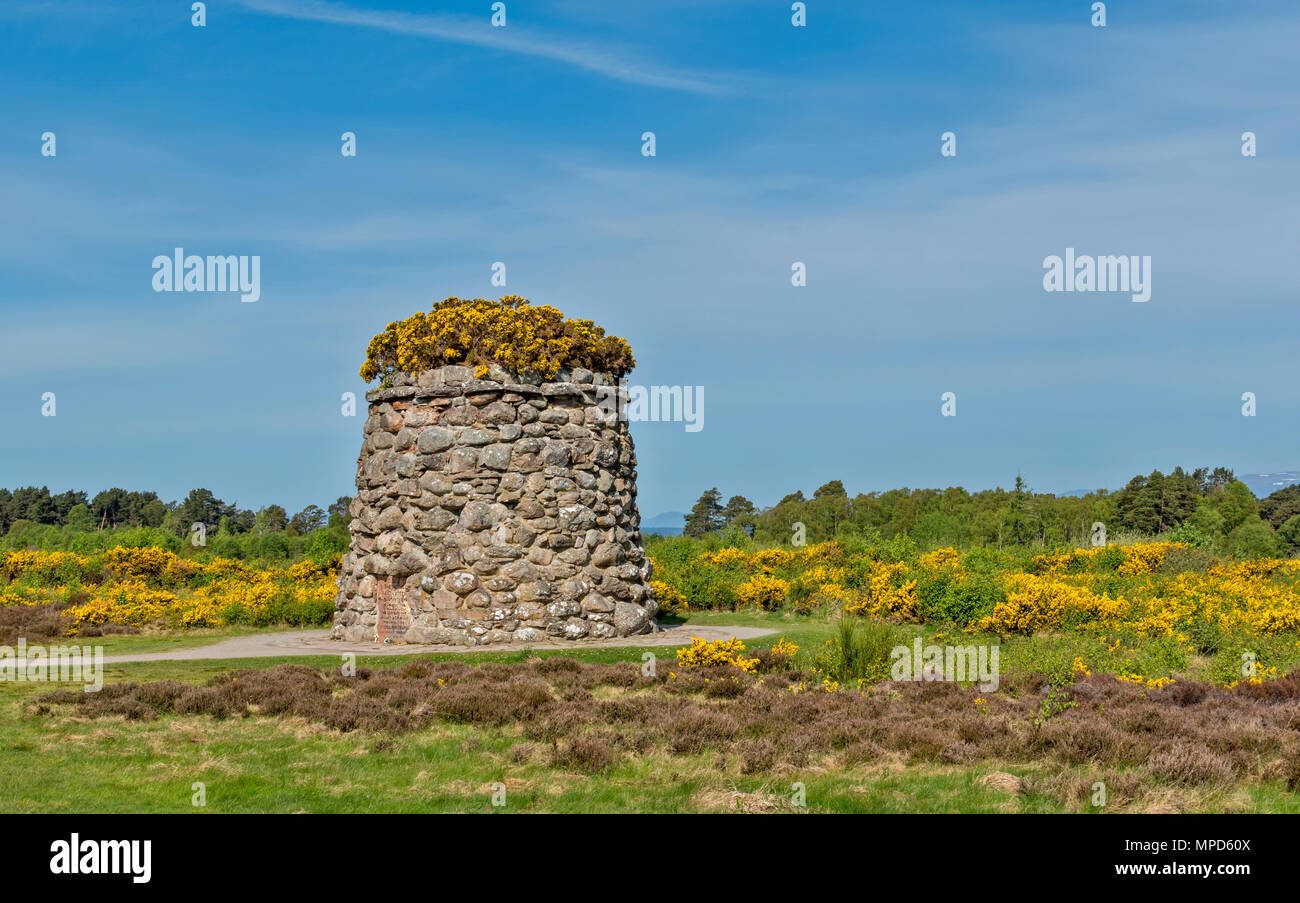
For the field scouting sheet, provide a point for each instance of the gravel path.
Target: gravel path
(317, 642)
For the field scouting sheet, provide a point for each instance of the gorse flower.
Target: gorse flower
(703, 653)
(152, 586)
(763, 591)
(670, 600)
(1115, 592)
(510, 332)
(726, 557)
(785, 647)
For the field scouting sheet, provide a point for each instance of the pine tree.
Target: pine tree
(706, 516)
(740, 512)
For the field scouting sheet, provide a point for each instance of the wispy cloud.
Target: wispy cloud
(616, 63)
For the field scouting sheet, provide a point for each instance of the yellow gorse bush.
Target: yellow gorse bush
(773, 559)
(667, 596)
(835, 593)
(828, 551)
(510, 332)
(727, 557)
(44, 564)
(1143, 558)
(785, 647)
(704, 653)
(763, 591)
(888, 593)
(1112, 589)
(154, 587)
(941, 560)
(1040, 603)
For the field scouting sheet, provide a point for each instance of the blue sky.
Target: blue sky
(774, 144)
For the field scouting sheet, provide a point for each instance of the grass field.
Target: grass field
(59, 758)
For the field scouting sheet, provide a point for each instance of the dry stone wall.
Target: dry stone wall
(494, 510)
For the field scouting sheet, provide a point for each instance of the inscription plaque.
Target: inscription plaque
(394, 616)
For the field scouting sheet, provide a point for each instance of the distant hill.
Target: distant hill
(670, 523)
(1263, 484)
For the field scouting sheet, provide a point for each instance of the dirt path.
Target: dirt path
(317, 642)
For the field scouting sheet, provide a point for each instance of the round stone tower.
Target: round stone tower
(494, 510)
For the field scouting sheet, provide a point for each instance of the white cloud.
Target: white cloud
(606, 60)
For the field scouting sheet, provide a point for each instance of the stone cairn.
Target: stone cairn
(494, 510)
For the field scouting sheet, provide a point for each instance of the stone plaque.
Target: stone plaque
(394, 616)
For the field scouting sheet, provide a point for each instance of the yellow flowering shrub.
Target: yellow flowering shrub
(305, 570)
(1256, 569)
(1154, 683)
(834, 592)
(888, 592)
(670, 600)
(1060, 561)
(773, 559)
(128, 602)
(1112, 590)
(824, 573)
(785, 647)
(941, 560)
(227, 567)
(1038, 603)
(1145, 557)
(704, 653)
(726, 557)
(143, 563)
(764, 591)
(154, 587)
(829, 551)
(510, 332)
(22, 594)
(45, 565)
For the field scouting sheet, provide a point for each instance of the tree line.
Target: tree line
(1208, 507)
(115, 508)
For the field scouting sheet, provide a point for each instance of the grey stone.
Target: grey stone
(629, 618)
(461, 583)
(505, 510)
(433, 439)
(597, 603)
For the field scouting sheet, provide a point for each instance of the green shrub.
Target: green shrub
(1191, 534)
(988, 561)
(149, 537)
(1253, 539)
(272, 547)
(1108, 560)
(324, 545)
(227, 547)
(859, 650)
(974, 598)
(707, 587)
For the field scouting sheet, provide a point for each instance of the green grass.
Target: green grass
(65, 764)
(62, 762)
